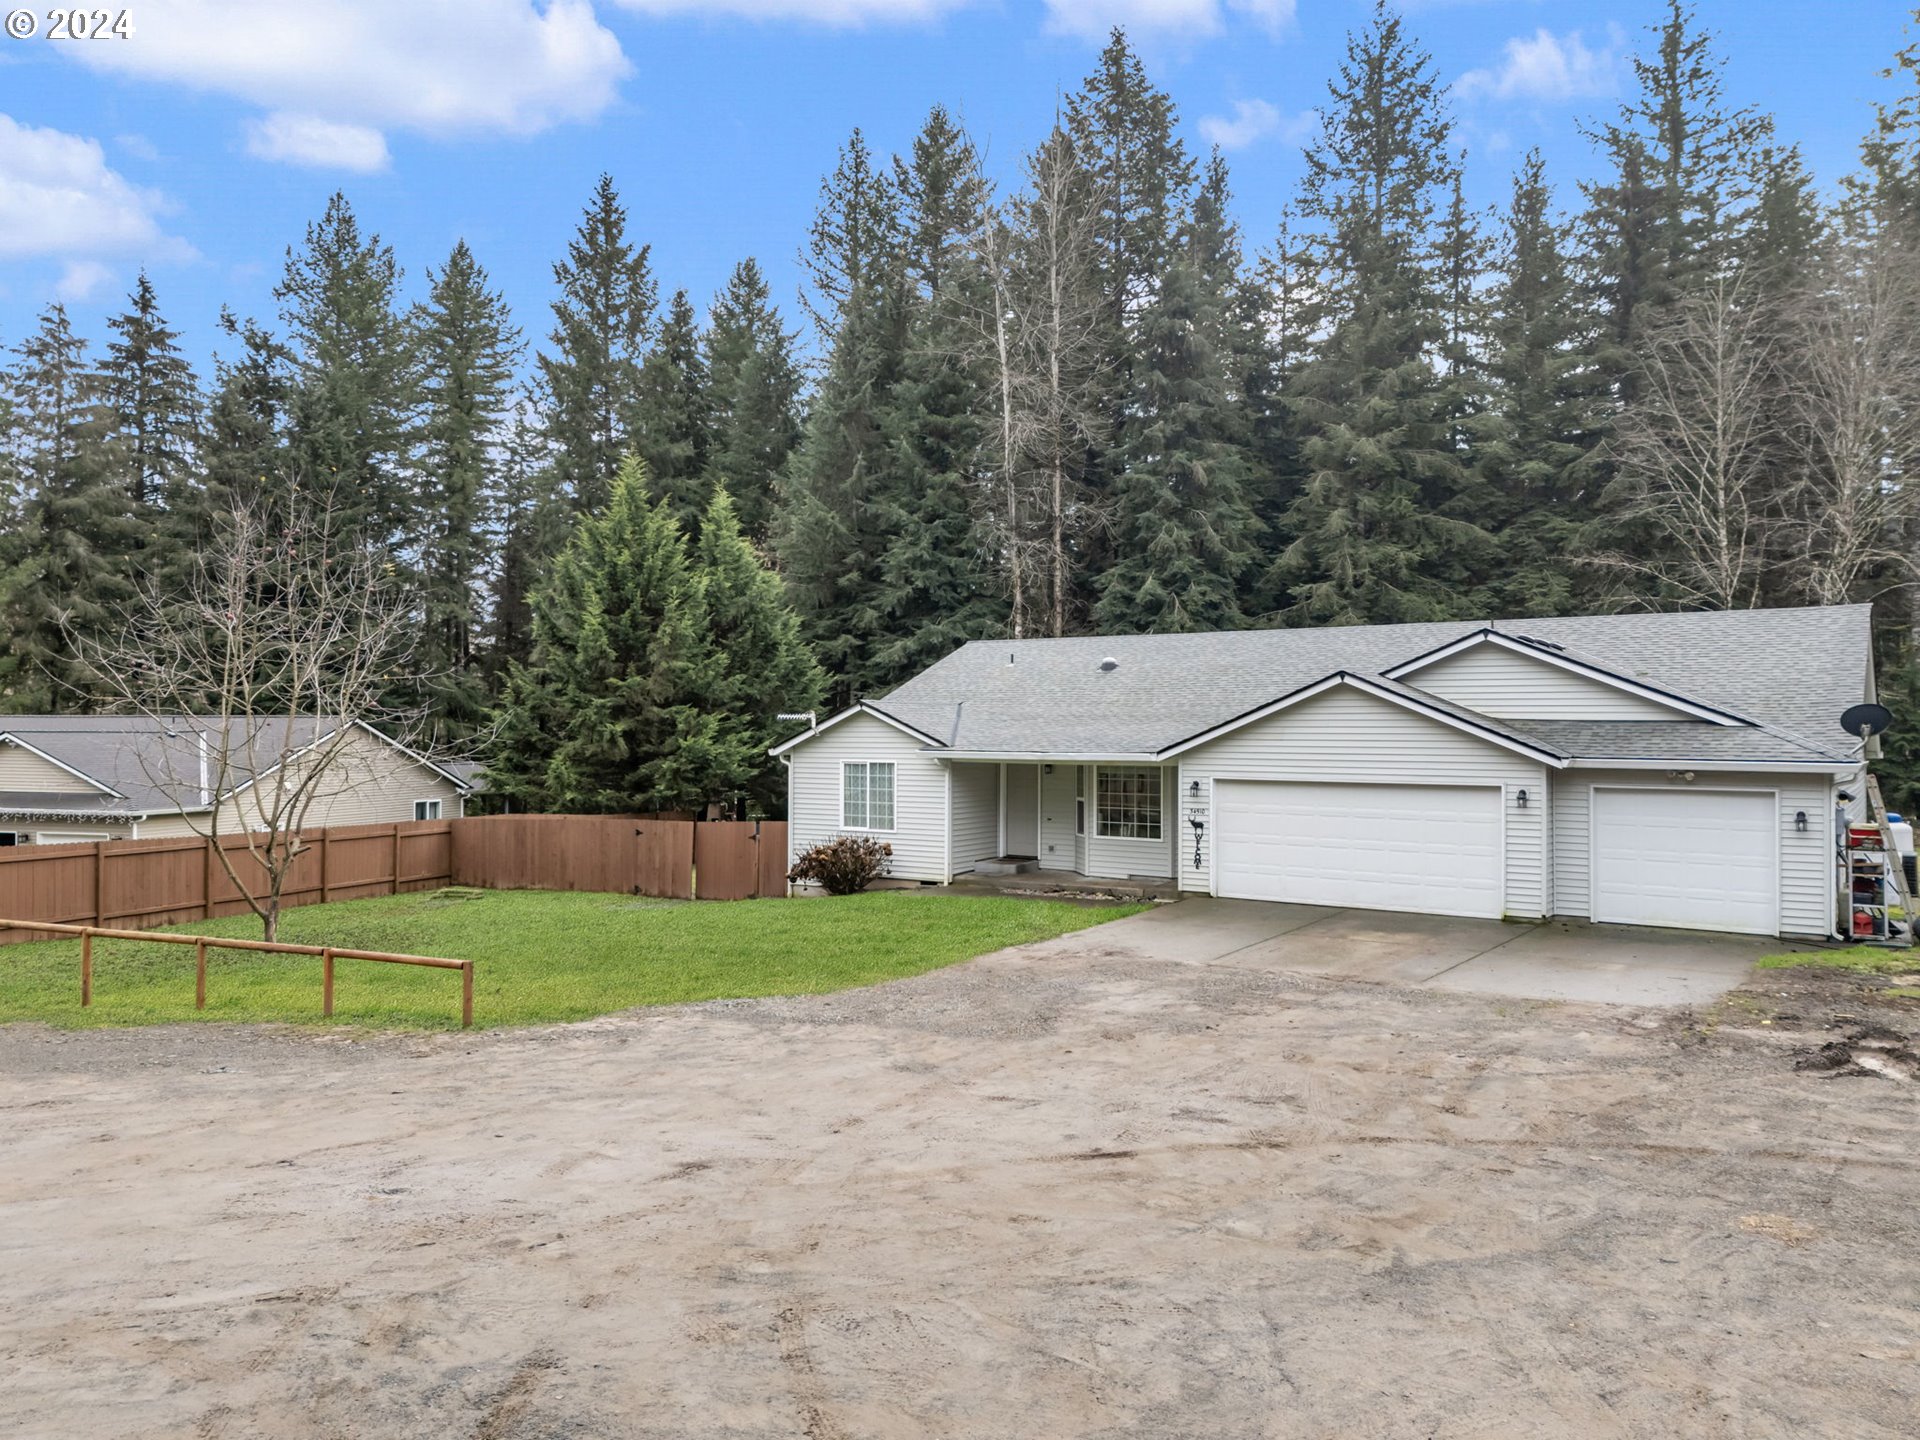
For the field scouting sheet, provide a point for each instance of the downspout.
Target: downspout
(205, 798)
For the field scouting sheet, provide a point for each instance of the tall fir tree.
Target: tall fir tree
(672, 427)
(531, 525)
(833, 532)
(156, 403)
(590, 373)
(1184, 530)
(616, 711)
(935, 573)
(1535, 461)
(468, 349)
(766, 668)
(68, 560)
(355, 388)
(753, 383)
(1370, 541)
(1889, 188)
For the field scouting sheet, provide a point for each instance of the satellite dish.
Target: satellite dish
(1860, 721)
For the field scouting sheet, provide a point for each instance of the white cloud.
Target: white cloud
(1255, 120)
(58, 197)
(80, 279)
(438, 67)
(817, 12)
(1094, 18)
(324, 144)
(1544, 66)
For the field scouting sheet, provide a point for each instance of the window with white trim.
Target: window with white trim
(866, 795)
(426, 809)
(1079, 799)
(1127, 802)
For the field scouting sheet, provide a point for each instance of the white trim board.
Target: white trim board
(1654, 693)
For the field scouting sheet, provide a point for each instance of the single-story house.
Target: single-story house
(1649, 769)
(67, 778)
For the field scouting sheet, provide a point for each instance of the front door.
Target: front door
(1022, 809)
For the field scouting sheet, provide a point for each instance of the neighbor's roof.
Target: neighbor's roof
(146, 765)
(1790, 672)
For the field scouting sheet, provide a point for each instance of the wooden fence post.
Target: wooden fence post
(326, 983)
(200, 976)
(100, 882)
(86, 970)
(326, 860)
(206, 880)
(396, 858)
(466, 996)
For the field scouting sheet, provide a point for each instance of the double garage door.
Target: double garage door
(1430, 848)
(1694, 859)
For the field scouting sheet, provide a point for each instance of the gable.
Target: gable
(1349, 729)
(22, 771)
(1510, 685)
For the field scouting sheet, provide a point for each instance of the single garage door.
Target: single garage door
(1429, 848)
(1691, 859)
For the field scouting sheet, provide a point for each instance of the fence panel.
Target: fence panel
(726, 861)
(773, 858)
(178, 880)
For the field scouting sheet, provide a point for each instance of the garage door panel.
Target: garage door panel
(1377, 847)
(1691, 859)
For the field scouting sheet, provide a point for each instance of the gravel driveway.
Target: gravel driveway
(1089, 1188)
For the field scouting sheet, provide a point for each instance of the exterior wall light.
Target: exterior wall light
(1520, 798)
(1799, 819)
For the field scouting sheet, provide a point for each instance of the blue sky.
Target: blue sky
(201, 146)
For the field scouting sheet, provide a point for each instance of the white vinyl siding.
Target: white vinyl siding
(866, 795)
(1345, 736)
(1497, 681)
(919, 837)
(1117, 858)
(1056, 818)
(976, 813)
(22, 770)
(1807, 884)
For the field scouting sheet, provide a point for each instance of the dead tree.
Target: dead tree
(258, 679)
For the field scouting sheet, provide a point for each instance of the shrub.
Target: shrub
(844, 865)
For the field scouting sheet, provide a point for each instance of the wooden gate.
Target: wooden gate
(738, 860)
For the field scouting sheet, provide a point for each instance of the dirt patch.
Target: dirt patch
(1066, 1191)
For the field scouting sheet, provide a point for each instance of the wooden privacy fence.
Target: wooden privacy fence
(631, 855)
(179, 880)
(203, 943)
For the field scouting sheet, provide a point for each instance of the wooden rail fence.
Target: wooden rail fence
(180, 880)
(203, 943)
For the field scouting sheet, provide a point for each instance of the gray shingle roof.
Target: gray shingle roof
(1791, 671)
(152, 764)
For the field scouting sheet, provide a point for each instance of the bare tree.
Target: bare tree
(1854, 395)
(1042, 344)
(1697, 453)
(258, 680)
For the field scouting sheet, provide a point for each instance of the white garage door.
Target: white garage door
(1430, 848)
(1692, 859)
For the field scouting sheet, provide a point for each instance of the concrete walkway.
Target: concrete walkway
(1554, 960)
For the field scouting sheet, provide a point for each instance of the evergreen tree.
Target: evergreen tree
(1291, 310)
(935, 572)
(754, 387)
(532, 524)
(590, 378)
(1890, 188)
(765, 670)
(833, 531)
(247, 428)
(468, 350)
(155, 400)
(1184, 528)
(672, 421)
(1536, 462)
(1369, 539)
(617, 711)
(68, 560)
(355, 388)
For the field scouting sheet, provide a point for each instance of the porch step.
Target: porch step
(1007, 865)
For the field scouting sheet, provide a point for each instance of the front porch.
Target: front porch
(1068, 826)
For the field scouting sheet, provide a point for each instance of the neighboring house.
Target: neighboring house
(1650, 769)
(114, 777)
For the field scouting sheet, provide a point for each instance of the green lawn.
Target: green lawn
(541, 956)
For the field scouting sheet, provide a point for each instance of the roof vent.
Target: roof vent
(1109, 663)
